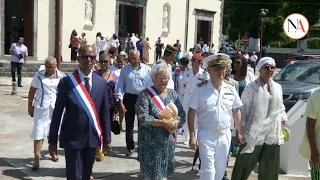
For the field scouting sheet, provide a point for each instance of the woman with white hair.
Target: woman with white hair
(156, 142)
(41, 102)
(263, 116)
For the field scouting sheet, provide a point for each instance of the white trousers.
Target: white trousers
(214, 152)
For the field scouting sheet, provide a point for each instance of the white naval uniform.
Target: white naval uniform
(44, 103)
(191, 83)
(214, 112)
(181, 83)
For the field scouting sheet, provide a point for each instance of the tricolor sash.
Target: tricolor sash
(86, 102)
(158, 100)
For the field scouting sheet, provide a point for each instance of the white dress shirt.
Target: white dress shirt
(205, 48)
(214, 109)
(83, 76)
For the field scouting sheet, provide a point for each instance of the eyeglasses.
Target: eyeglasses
(238, 62)
(103, 61)
(88, 57)
(267, 67)
(164, 79)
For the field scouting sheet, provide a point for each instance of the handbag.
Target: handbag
(115, 127)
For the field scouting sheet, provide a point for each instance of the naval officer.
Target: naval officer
(215, 102)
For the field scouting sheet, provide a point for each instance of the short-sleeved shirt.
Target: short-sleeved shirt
(213, 109)
(18, 49)
(313, 112)
(46, 93)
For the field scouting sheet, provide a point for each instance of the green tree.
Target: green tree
(244, 16)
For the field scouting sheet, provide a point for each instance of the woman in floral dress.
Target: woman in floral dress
(156, 143)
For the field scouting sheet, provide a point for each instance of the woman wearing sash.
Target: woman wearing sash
(156, 142)
(41, 102)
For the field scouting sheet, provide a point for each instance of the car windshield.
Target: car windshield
(300, 72)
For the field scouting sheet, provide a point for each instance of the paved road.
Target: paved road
(16, 148)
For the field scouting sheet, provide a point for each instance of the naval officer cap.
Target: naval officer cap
(216, 60)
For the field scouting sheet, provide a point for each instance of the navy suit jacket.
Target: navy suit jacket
(76, 129)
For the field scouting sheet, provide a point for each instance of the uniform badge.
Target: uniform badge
(228, 82)
(202, 83)
(218, 132)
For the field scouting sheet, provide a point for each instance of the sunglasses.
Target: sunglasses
(103, 62)
(272, 68)
(238, 62)
(88, 57)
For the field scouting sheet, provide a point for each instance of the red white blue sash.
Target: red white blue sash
(86, 102)
(158, 100)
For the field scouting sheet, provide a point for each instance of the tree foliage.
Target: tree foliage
(243, 17)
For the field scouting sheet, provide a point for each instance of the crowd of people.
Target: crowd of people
(219, 110)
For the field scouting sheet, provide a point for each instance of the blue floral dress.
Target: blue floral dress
(156, 144)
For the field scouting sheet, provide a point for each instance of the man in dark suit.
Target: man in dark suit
(80, 135)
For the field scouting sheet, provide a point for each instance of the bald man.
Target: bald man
(85, 127)
(132, 80)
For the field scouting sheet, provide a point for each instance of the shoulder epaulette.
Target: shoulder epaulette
(202, 83)
(228, 82)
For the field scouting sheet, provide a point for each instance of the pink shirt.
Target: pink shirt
(18, 49)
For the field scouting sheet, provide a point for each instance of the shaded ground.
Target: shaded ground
(16, 148)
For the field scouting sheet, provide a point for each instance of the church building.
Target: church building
(35, 20)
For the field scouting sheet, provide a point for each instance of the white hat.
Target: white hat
(253, 58)
(220, 59)
(229, 61)
(247, 56)
(266, 60)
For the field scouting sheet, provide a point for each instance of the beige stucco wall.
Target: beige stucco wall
(73, 18)
(104, 22)
(154, 23)
(46, 29)
(209, 5)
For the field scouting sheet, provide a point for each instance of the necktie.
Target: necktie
(87, 79)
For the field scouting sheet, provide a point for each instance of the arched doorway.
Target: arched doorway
(19, 22)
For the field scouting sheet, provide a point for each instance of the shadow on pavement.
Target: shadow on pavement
(15, 173)
(189, 175)
(5, 85)
(45, 153)
(123, 176)
(185, 154)
(182, 146)
(26, 168)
